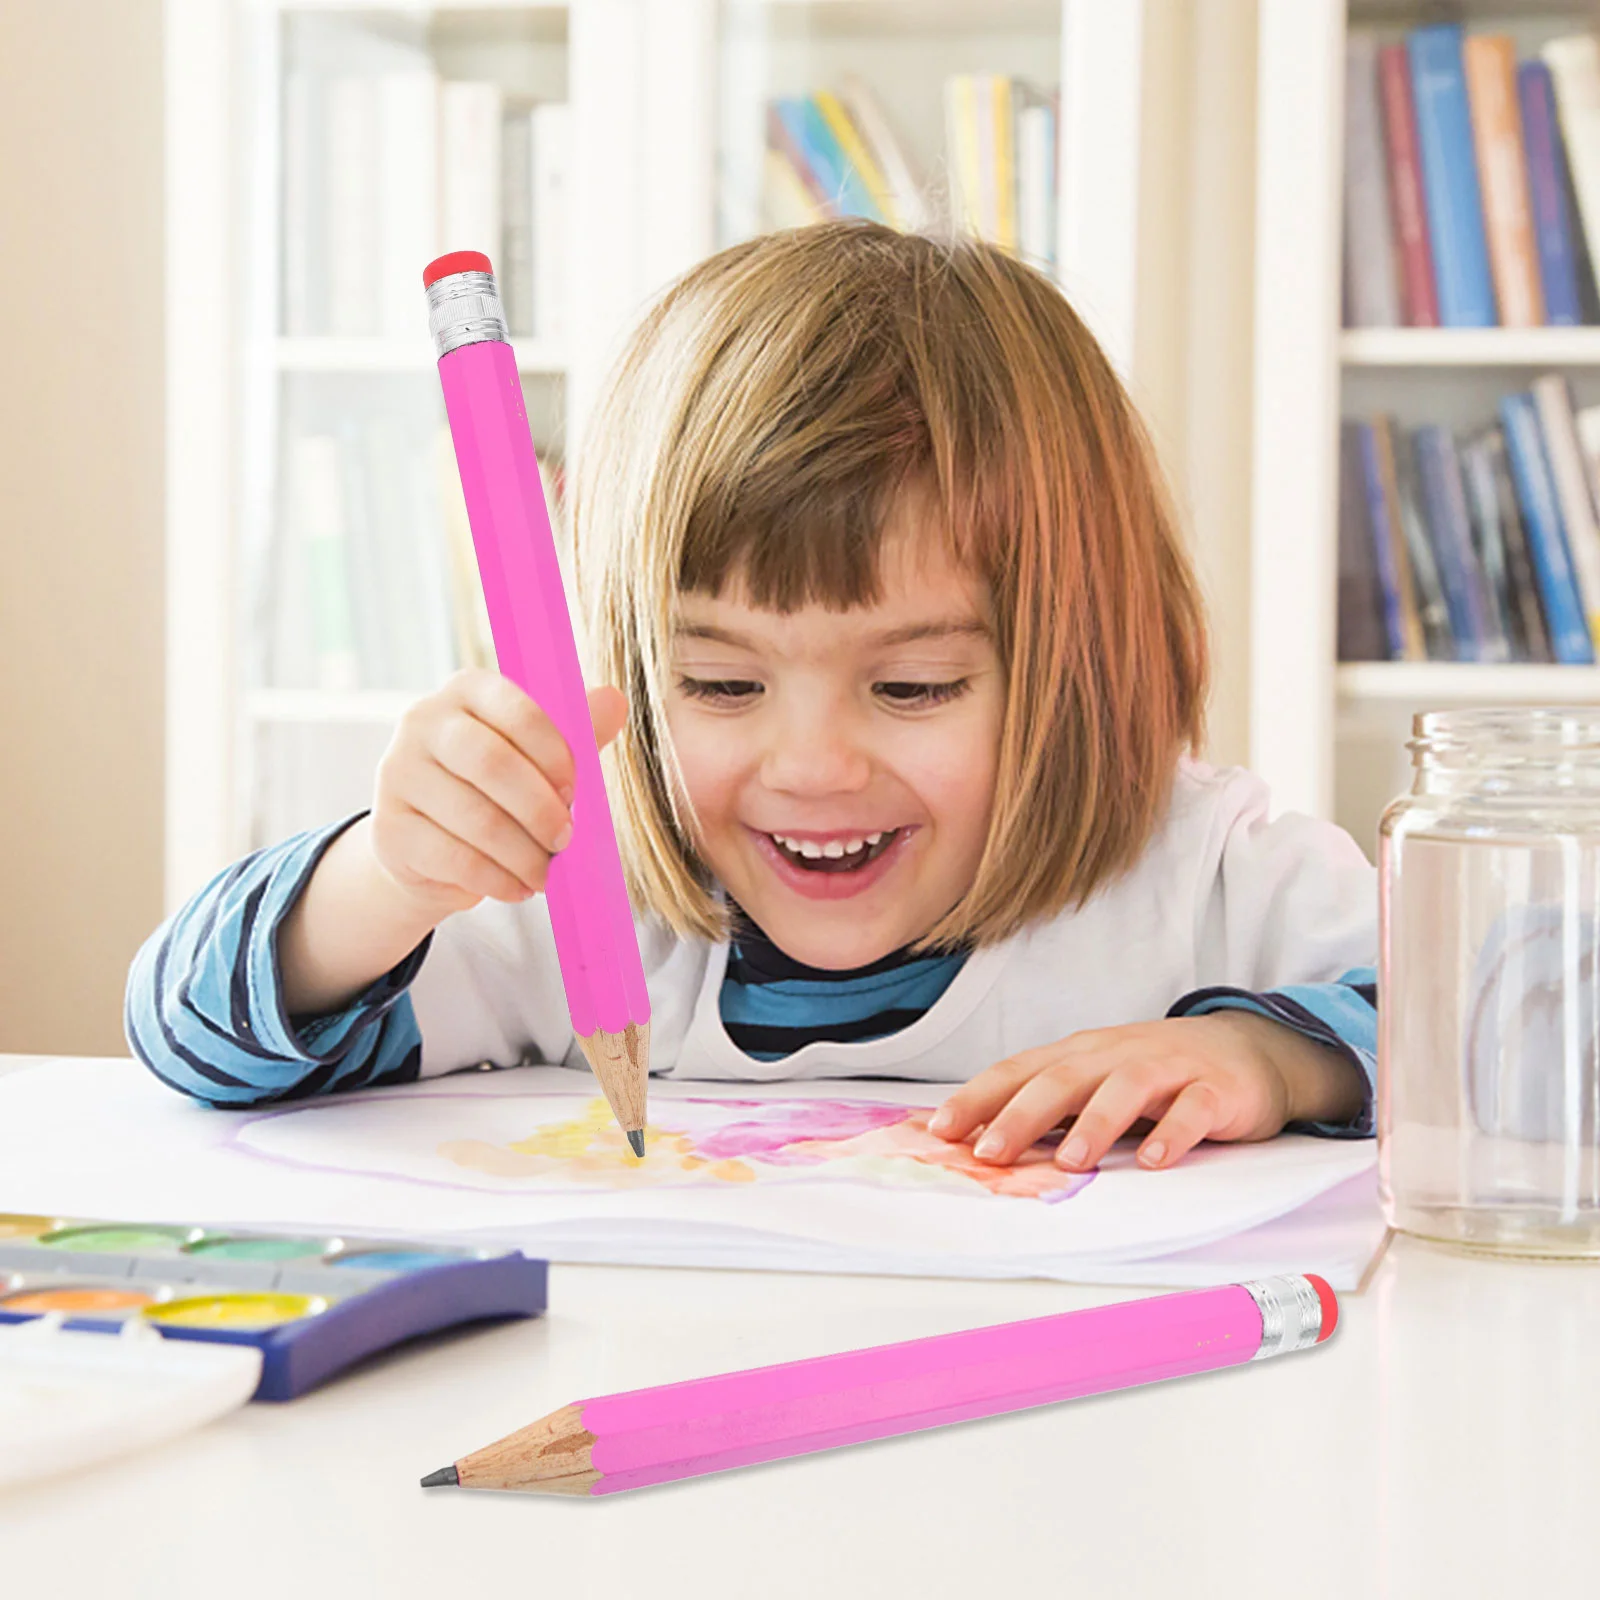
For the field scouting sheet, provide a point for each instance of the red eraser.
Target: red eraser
(456, 261)
(1330, 1306)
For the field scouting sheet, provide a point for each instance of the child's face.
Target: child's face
(842, 764)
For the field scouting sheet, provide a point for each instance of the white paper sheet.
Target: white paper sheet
(825, 1176)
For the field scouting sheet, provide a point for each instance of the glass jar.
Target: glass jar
(1488, 1092)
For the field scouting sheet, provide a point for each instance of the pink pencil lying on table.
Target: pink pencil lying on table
(682, 1430)
(595, 938)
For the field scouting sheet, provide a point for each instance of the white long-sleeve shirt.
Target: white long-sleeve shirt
(1226, 907)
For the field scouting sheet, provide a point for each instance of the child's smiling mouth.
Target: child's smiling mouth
(836, 854)
(832, 865)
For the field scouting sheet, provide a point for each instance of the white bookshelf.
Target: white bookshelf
(1330, 737)
(546, 358)
(1538, 349)
(652, 88)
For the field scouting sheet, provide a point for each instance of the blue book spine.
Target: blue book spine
(1394, 628)
(1547, 198)
(1433, 443)
(1547, 535)
(1450, 178)
(809, 130)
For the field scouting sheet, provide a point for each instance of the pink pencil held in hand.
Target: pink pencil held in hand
(681, 1430)
(589, 911)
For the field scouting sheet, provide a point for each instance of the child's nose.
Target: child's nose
(816, 754)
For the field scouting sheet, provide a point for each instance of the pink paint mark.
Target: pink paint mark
(771, 1137)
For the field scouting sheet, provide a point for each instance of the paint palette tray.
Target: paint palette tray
(312, 1304)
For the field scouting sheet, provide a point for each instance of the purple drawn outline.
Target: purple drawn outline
(232, 1142)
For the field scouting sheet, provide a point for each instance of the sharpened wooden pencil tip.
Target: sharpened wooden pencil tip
(445, 1475)
(636, 1141)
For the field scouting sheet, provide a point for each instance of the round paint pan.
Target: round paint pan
(236, 1313)
(125, 1238)
(259, 1247)
(77, 1299)
(398, 1258)
(15, 1225)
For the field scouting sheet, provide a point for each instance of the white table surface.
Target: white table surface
(1445, 1442)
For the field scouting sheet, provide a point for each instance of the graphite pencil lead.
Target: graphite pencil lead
(445, 1475)
(636, 1141)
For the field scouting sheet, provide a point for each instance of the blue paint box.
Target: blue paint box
(312, 1304)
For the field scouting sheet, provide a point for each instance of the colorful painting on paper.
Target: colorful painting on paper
(564, 1143)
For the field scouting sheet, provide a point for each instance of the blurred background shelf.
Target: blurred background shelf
(1470, 347)
(320, 572)
(311, 354)
(1408, 683)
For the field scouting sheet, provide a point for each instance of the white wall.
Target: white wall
(1192, 345)
(80, 514)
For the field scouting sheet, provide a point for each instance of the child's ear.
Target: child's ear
(608, 710)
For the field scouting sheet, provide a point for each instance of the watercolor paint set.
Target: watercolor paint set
(311, 1303)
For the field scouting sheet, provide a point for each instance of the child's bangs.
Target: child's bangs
(819, 547)
(813, 426)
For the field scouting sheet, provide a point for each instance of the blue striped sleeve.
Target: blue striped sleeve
(1343, 1014)
(204, 1005)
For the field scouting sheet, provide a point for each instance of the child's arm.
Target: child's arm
(1273, 1038)
(347, 927)
(286, 975)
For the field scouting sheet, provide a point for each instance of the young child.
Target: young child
(869, 535)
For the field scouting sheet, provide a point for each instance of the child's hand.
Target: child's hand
(472, 795)
(1225, 1075)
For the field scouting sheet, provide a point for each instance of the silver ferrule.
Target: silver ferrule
(1291, 1314)
(464, 308)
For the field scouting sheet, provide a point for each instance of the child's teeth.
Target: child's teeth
(810, 849)
(872, 838)
(833, 849)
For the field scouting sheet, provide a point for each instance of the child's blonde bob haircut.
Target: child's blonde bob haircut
(771, 405)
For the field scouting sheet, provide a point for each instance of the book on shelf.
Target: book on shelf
(1490, 61)
(1372, 285)
(1000, 159)
(374, 584)
(1471, 548)
(1472, 180)
(552, 213)
(470, 130)
(1450, 177)
(1402, 172)
(833, 153)
(866, 112)
(1460, 566)
(1570, 640)
(1547, 196)
(1502, 545)
(1427, 587)
(1361, 614)
(384, 170)
(1391, 561)
(1553, 399)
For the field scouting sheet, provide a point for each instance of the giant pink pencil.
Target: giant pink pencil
(595, 938)
(681, 1430)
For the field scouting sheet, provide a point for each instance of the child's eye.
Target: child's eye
(719, 691)
(921, 694)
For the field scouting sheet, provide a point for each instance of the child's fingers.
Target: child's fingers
(520, 791)
(1039, 1105)
(1191, 1116)
(1110, 1111)
(498, 704)
(608, 711)
(463, 812)
(440, 859)
(980, 1098)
